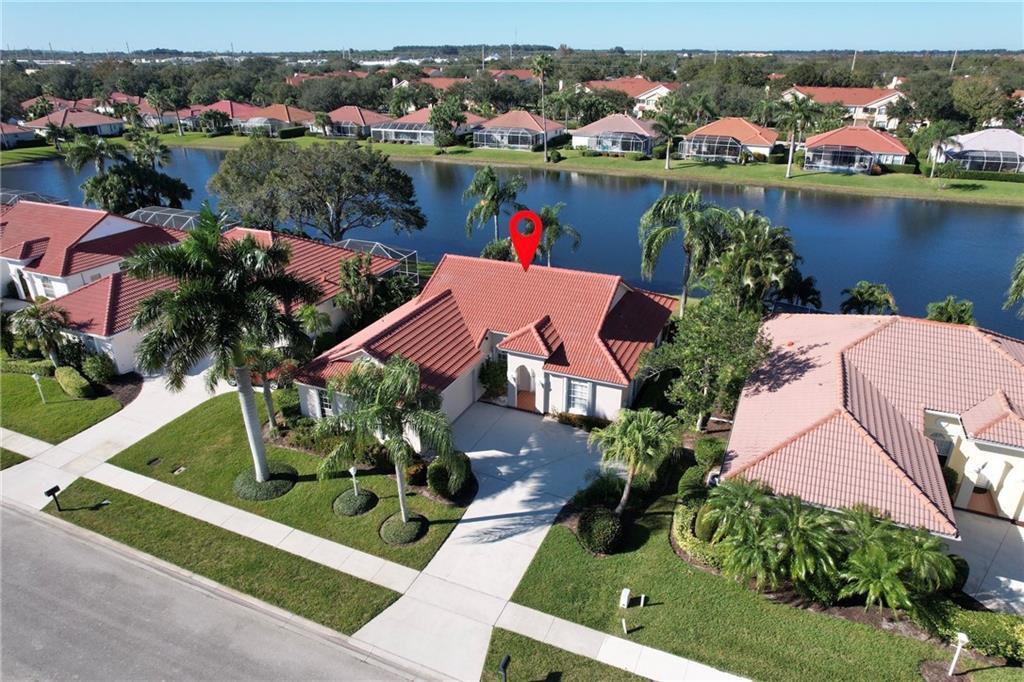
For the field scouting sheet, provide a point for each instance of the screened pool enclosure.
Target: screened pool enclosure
(839, 158)
(988, 160)
(508, 138)
(711, 148)
(620, 143)
(178, 218)
(396, 131)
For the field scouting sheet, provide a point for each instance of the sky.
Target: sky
(300, 26)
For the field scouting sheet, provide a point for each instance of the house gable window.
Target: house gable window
(578, 397)
(47, 287)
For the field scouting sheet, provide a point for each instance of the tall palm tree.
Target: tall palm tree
(400, 101)
(952, 310)
(668, 124)
(799, 290)
(868, 298)
(313, 320)
(492, 196)
(385, 402)
(128, 112)
(263, 360)
(756, 260)
(805, 539)
(323, 119)
(541, 67)
(92, 149)
(1015, 294)
(686, 216)
(55, 134)
(640, 440)
(149, 150)
(765, 111)
(829, 117)
(159, 100)
(937, 137)
(228, 293)
(796, 115)
(737, 505)
(45, 321)
(555, 230)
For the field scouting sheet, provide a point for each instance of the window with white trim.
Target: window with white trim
(47, 287)
(326, 403)
(579, 397)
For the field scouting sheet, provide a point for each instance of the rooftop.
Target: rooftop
(850, 97)
(739, 129)
(522, 119)
(74, 118)
(358, 115)
(618, 123)
(862, 137)
(634, 87)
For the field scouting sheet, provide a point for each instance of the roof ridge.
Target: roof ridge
(421, 307)
(788, 441)
(867, 335)
(112, 293)
(987, 338)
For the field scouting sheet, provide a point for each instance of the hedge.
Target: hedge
(41, 367)
(988, 175)
(778, 158)
(289, 133)
(99, 367)
(581, 421)
(708, 452)
(691, 485)
(906, 168)
(682, 533)
(990, 633)
(73, 383)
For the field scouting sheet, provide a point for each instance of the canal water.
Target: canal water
(923, 250)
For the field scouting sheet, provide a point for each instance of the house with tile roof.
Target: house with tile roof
(646, 94)
(869, 409)
(12, 135)
(866, 106)
(298, 78)
(991, 149)
(350, 121)
(853, 149)
(84, 122)
(572, 340)
(271, 119)
(727, 139)
(517, 129)
(617, 134)
(415, 128)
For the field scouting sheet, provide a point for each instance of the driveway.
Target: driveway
(994, 548)
(527, 467)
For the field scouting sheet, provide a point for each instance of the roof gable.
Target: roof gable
(61, 226)
(618, 123)
(850, 97)
(522, 119)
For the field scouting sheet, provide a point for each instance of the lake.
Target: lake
(923, 250)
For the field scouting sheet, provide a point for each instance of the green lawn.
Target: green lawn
(210, 443)
(9, 458)
(534, 661)
(25, 154)
(336, 600)
(705, 617)
(60, 418)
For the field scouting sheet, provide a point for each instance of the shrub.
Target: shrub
(293, 132)
(287, 400)
(581, 421)
(990, 633)
(987, 175)
(759, 157)
(636, 156)
(599, 530)
(304, 436)
(703, 526)
(604, 490)
(282, 478)
(350, 504)
(658, 152)
(24, 347)
(439, 477)
(691, 485)
(962, 570)
(438, 152)
(73, 383)
(554, 156)
(798, 157)
(99, 367)
(682, 533)
(590, 152)
(71, 352)
(394, 532)
(778, 158)
(373, 455)
(494, 377)
(905, 168)
(416, 473)
(40, 367)
(708, 452)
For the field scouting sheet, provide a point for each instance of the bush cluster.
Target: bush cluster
(282, 479)
(73, 383)
(636, 156)
(604, 490)
(394, 532)
(416, 473)
(590, 153)
(350, 504)
(990, 633)
(658, 152)
(554, 156)
(40, 367)
(691, 485)
(599, 530)
(439, 478)
(304, 435)
(581, 421)
(99, 368)
(293, 132)
(708, 452)
(494, 377)
(683, 520)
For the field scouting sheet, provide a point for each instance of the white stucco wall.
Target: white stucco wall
(459, 395)
(538, 382)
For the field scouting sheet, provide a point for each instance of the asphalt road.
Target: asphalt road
(70, 609)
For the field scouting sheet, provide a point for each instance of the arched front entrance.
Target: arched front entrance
(526, 390)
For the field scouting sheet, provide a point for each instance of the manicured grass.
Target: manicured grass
(26, 154)
(60, 418)
(705, 617)
(210, 443)
(337, 600)
(540, 662)
(9, 458)
(761, 174)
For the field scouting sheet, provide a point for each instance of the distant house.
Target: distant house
(58, 103)
(84, 122)
(646, 94)
(727, 139)
(524, 75)
(270, 120)
(853, 149)
(12, 135)
(238, 112)
(617, 134)
(298, 78)
(350, 121)
(518, 129)
(992, 149)
(415, 128)
(439, 83)
(866, 106)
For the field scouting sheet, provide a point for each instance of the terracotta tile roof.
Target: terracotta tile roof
(12, 129)
(862, 137)
(740, 129)
(521, 74)
(358, 115)
(284, 112)
(839, 390)
(634, 87)
(441, 83)
(423, 116)
(86, 255)
(297, 79)
(235, 110)
(30, 250)
(849, 97)
(584, 324)
(108, 305)
(618, 123)
(73, 118)
(522, 119)
(58, 102)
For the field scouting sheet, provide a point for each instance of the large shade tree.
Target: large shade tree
(224, 295)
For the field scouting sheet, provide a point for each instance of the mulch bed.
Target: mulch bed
(124, 388)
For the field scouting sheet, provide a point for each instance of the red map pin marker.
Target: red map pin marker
(525, 244)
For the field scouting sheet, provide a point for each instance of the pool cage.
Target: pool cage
(838, 158)
(508, 138)
(711, 148)
(621, 143)
(396, 131)
(408, 261)
(345, 129)
(9, 197)
(178, 218)
(988, 160)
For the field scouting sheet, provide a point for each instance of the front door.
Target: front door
(526, 395)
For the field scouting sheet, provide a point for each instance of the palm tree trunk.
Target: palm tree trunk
(252, 423)
(51, 353)
(544, 117)
(686, 282)
(625, 492)
(268, 401)
(400, 478)
(935, 162)
(668, 152)
(792, 145)
(495, 227)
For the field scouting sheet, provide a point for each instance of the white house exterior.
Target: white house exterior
(519, 130)
(84, 122)
(349, 121)
(617, 134)
(415, 128)
(727, 139)
(853, 149)
(992, 149)
(12, 135)
(866, 106)
(646, 94)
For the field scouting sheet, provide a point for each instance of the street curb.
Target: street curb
(396, 665)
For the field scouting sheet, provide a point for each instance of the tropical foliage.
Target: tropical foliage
(44, 321)
(868, 298)
(554, 231)
(950, 309)
(365, 296)
(1015, 294)
(492, 198)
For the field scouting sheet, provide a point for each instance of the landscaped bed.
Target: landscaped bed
(311, 590)
(208, 449)
(60, 418)
(533, 660)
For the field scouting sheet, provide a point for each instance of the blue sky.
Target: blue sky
(271, 26)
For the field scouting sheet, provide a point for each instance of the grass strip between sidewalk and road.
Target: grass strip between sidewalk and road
(336, 600)
(533, 660)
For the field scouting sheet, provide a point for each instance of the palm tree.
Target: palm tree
(554, 230)
(262, 361)
(868, 298)
(385, 402)
(313, 320)
(756, 260)
(862, 527)
(805, 539)
(765, 111)
(925, 560)
(700, 106)
(214, 120)
(751, 554)
(1015, 294)
(640, 440)
(799, 290)
(951, 310)
(161, 102)
(492, 197)
(736, 506)
(323, 119)
(92, 149)
(149, 150)
(873, 573)
(668, 124)
(228, 293)
(128, 111)
(937, 137)
(688, 217)
(400, 101)
(45, 321)
(55, 134)
(795, 116)
(829, 117)
(541, 67)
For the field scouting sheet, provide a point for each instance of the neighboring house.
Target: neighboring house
(992, 149)
(524, 75)
(646, 94)
(517, 130)
(12, 135)
(867, 410)
(350, 121)
(727, 139)
(866, 106)
(238, 112)
(443, 84)
(572, 339)
(49, 250)
(415, 128)
(298, 78)
(101, 313)
(84, 122)
(60, 103)
(617, 134)
(270, 120)
(853, 149)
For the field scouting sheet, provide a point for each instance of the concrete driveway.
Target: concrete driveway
(527, 467)
(994, 548)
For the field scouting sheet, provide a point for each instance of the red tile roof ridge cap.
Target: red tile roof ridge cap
(112, 293)
(588, 273)
(65, 261)
(903, 475)
(988, 338)
(421, 306)
(787, 441)
(531, 328)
